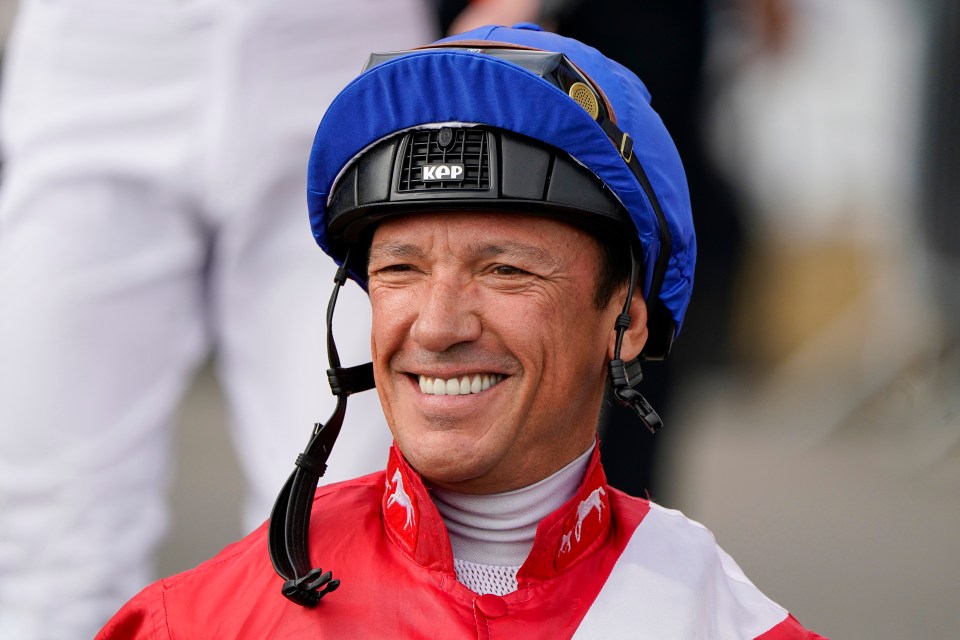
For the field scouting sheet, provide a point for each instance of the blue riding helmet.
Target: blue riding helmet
(511, 81)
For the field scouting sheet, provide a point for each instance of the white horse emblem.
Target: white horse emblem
(583, 510)
(590, 503)
(565, 542)
(400, 497)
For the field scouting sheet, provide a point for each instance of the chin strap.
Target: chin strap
(624, 375)
(289, 531)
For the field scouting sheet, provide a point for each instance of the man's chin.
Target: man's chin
(446, 465)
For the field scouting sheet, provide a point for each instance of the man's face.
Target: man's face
(497, 308)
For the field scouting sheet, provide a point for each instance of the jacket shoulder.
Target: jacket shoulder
(207, 596)
(673, 580)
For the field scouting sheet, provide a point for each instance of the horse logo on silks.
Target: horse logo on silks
(588, 504)
(400, 497)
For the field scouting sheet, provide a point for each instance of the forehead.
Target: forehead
(543, 238)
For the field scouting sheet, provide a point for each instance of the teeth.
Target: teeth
(458, 386)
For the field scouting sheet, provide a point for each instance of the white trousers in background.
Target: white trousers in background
(152, 209)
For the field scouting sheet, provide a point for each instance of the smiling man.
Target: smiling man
(460, 298)
(520, 219)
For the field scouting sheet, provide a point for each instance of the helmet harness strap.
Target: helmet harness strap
(624, 375)
(289, 530)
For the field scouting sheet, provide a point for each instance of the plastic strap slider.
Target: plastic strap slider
(347, 380)
(311, 464)
(626, 147)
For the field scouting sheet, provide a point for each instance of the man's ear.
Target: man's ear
(636, 335)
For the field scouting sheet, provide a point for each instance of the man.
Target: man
(505, 206)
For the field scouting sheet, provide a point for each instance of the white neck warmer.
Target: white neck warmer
(498, 529)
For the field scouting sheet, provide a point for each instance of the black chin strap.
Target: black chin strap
(624, 375)
(289, 531)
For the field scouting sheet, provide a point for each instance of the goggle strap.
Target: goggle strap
(624, 144)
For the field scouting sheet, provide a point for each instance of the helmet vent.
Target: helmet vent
(469, 148)
(584, 96)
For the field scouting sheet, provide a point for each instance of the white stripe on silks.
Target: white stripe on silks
(674, 581)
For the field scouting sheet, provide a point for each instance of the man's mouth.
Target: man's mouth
(459, 386)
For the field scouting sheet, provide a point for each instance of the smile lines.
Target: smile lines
(458, 386)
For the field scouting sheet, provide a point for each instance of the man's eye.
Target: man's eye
(393, 268)
(507, 270)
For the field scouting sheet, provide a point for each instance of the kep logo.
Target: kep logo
(444, 171)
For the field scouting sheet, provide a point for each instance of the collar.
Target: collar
(563, 537)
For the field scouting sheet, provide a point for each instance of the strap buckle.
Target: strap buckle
(626, 147)
(308, 590)
(347, 380)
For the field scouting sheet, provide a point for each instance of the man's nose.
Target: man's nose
(446, 315)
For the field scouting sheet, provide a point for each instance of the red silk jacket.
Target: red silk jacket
(604, 565)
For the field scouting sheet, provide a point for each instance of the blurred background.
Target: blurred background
(813, 419)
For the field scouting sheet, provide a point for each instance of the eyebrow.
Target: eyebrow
(394, 250)
(507, 249)
(515, 250)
